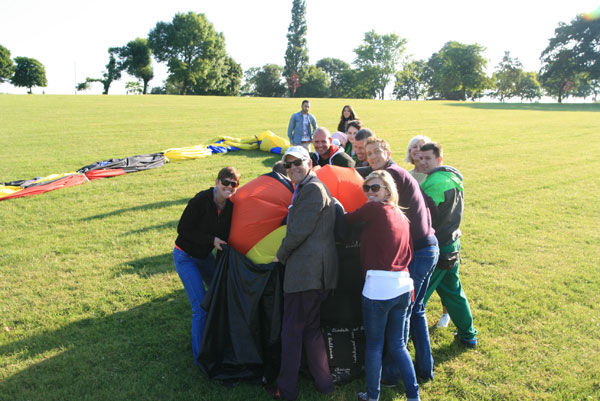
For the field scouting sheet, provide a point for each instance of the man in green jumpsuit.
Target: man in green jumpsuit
(445, 197)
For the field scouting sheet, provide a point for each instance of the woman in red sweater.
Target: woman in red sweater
(385, 252)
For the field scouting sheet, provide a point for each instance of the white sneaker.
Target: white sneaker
(444, 321)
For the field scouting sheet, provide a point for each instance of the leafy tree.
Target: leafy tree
(232, 80)
(136, 59)
(456, 72)
(559, 74)
(195, 54)
(134, 87)
(507, 76)
(528, 86)
(410, 82)
(296, 54)
(379, 54)
(356, 83)
(7, 67)
(315, 82)
(29, 73)
(582, 39)
(249, 87)
(594, 85)
(265, 81)
(111, 74)
(334, 67)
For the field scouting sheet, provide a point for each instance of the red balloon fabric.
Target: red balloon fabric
(259, 208)
(63, 182)
(345, 184)
(104, 173)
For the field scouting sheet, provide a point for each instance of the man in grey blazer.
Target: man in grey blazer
(311, 269)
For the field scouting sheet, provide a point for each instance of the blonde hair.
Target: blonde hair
(411, 143)
(388, 183)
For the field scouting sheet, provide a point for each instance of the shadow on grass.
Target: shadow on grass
(149, 206)
(169, 225)
(150, 266)
(530, 106)
(143, 353)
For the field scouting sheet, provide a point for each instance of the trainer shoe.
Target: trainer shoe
(444, 321)
(363, 396)
(467, 342)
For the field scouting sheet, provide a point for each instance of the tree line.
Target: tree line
(198, 64)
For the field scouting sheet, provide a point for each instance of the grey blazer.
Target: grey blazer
(308, 250)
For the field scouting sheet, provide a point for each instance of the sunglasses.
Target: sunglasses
(232, 184)
(374, 188)
(297, 163)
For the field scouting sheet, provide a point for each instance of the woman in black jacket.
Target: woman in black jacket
(204, 225)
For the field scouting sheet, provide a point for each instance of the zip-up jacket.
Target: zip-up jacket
(444, 192)
(337, 157)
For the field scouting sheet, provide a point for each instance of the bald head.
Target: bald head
(322, 141)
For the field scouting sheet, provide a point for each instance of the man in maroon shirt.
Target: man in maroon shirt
(426, 253)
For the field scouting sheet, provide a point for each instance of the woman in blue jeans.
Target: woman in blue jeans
(204, 225)
(385, 252)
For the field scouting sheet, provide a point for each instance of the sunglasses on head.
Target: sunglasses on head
(232, 184)
(297, 163)
(374, 188)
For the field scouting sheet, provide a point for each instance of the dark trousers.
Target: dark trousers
(301, 328)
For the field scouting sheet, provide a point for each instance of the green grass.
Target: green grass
(91, 307)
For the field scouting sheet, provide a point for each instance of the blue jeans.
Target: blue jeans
(193, 272)
(421, 267)
(385, 321)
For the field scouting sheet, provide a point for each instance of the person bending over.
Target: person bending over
(204, 225)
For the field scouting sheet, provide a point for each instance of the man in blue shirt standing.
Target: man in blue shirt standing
(301, 127)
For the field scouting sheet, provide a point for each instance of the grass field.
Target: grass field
(91, 307)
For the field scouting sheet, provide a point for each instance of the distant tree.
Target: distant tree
(356, 83)
(506, 77)
(7, 67)
(379, 54)
(29, 73)
(134, 87)
(581, 38)
(410, 82)
(232, 79)
(296, 54)
(111, 74)
(334, 67)
(456, 72)
(265, 81)
(136, 59)
(559, 74)
(315, 82)
(594, 88)
(293, 83)
(195, 54)
(528, 86)
(248, 86)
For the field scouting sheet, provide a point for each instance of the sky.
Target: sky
(71, 38)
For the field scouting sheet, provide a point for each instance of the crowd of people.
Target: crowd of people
(409, 248)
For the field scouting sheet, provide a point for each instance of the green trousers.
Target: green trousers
(447, 284)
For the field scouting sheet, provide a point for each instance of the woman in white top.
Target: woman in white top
(385, 252)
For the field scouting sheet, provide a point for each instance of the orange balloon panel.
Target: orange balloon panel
(259, 208)
(345, 184)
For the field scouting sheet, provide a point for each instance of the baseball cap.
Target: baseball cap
(298, 152)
